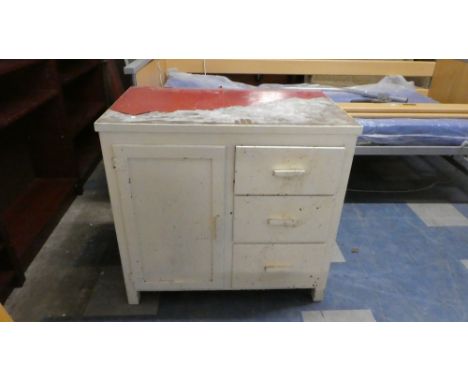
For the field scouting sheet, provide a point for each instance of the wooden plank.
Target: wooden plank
(70, 70)
(306, 67)
(4, 316)
(151, 74)
(13, 109)
(423, 91)
(8, 66)
(402, 108)
(450, 81)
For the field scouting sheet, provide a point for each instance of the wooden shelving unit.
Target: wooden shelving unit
(84, 114)
(8, 66)
(12, 110)
(48, 148)
(70, 70)
(88, 152)
(84, 100)
(34, 210)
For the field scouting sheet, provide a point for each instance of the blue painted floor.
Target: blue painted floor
(398, 267)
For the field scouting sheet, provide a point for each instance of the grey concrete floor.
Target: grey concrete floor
(77, 272)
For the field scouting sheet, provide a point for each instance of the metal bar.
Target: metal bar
(135, 66)
(411, 150)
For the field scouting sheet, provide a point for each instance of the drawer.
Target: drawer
(282, 219)
(278, 265)
(288, 170)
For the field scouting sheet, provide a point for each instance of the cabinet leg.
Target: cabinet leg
(317, 294)
(133, 296)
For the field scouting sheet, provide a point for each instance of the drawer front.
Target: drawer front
(278, 265)
(282, 219)
(286, 170)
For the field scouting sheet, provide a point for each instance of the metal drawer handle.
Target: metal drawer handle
(289, 173)
(276, 267)
(283, 222)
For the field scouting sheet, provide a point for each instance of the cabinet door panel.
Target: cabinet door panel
(173, 205)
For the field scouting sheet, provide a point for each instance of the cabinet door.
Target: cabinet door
(173, 208)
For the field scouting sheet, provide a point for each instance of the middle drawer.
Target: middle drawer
(282, 219)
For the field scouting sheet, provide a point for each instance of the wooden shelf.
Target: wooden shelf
(48, 148)
(82, 114)
(11, 111)
(7, 66)
(72, 70)
(88, 152)
(28, 219)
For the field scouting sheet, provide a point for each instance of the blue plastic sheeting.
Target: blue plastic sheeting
(176, 79)
(408, 131)
(385, 131)
(412, 95)
(413, 132)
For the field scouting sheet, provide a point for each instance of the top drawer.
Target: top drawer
(288, 170)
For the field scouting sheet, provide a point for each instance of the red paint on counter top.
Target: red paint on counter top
(139, 100)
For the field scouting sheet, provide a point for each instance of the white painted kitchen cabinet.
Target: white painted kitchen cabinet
(240, 197)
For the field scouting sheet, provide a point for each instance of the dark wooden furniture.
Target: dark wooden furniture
(47, 150)
(84, 100)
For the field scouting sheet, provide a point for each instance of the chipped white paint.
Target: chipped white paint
(357, 315)
(439, 214)
(174, 204)
(336, 256)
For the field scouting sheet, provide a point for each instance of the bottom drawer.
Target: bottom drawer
(270, 266)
